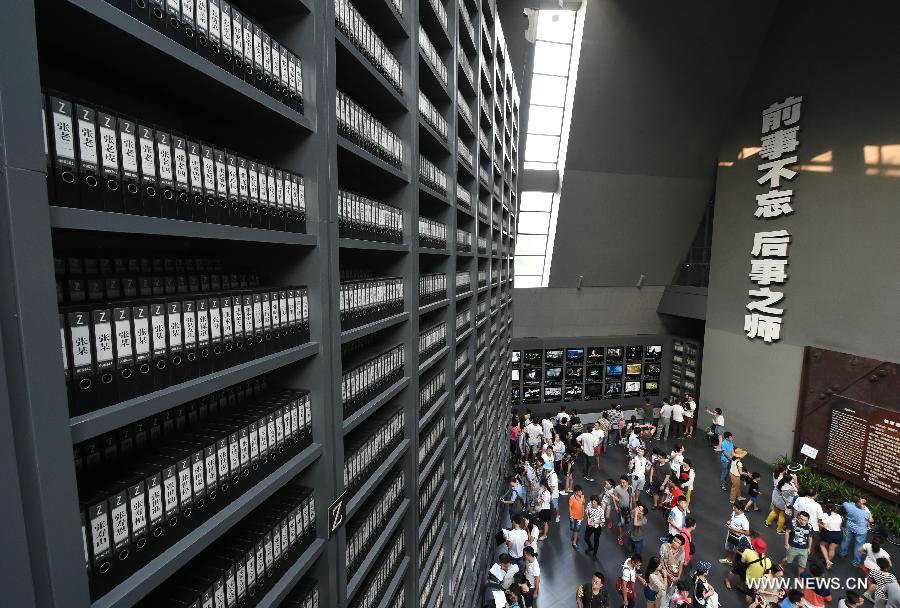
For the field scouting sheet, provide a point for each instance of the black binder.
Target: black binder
(215, 334)
(175, 336)
(88, 182)
(125, 378)
(63, 186)
(222, 206)
(158, 345)
(189, 324)
(243, 192)
(228, 356)
(137, 514)
(201, 26)
(151, 202)
(143, 359)
(99, 531)
(202, 175)
(110, 169)
(131, 189)
(234, 210)
(183, 176)
(187, 23)
(205, 362)
(255, 202)
(104, 357)
(157, 14)
(214, 53)
(83, 369)
(227, 60)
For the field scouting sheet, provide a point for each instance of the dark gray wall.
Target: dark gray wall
(656, 85)
(842, 292)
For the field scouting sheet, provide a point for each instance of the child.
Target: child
(576, 514)
(752, 490)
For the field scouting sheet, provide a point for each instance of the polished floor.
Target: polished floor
(563, 568)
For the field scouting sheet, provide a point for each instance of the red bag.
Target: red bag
(629, 586)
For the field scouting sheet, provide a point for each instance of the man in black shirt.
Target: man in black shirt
(593, 594)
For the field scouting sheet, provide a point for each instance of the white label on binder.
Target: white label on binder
(129, 149)
(138, 512)
(62, 132)
(148, 161)
(119, 516)
(87, 141)
(81, 350)
(155, 501)
(103, 338)
(108, 144)
(175, 331)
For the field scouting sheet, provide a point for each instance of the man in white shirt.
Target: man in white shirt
(532, 573)
(677, 419)
(677, 515)
(807, 502)
(638, 467)
(547, 428)
(534, 432)
(665, 419)
(690, 409)
(502, 572)
(553, 482)
(588, 443)
(562, 418)
(516, 539)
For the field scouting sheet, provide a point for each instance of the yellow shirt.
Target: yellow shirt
(757, 568)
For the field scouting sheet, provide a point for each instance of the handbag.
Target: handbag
(629, 587)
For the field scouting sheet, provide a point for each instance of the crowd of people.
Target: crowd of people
(563, 458)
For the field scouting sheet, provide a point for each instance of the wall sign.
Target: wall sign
(337, 513)
(768, 266)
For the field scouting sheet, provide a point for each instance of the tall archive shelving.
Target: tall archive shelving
(256, 323)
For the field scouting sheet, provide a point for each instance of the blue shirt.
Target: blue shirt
(857, 519)
(727, 450)
(786, 603)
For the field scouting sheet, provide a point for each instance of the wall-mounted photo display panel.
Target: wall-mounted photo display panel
(574, 392)
(614, 370)
(574, 356)
(516, 394)
(652, 369)
(593, 373)
(553, 357)
(633, 369)
(612, 390)
(517, 357)
(593, 391)
(552, 394)
(531, 376)
(653, 352)
(553, 374)
(574, 374)
(651, 388)
(516, 375)
(594, 355)
(532, 358)
(531, 394)
(632, 388)
(615, 354)
(634, 353)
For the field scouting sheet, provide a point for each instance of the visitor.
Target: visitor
(513, 501)
(516, 539)
(665, 420)
(718, 426)
(881, 577)
(798, 541)
(676, 457)
(638, 521)
(736, 528)
(627, 583)
(637, 468)
(592, 594)
(752, 480)
(736, 473)
(547, 428)
(647, 411)
(672, 556)
(606, 427)
(553, 483)
(690, 410)
(576, 514)
(588, 443)
(690, 524)
(727, 449)
(568, 471)
(677, 516)
(659, 477)
(783, 496)
(594, 518)
(532, 573)
(794, 599)
(514, 438)
(545, 509)
(598, 451)
(657, 582)
(755, 563)
(677, 419)
(616, 424)
(682, 597)
(534, 433)
(622, 497)
(501, 574)
(702, 589)
(856, 528)
(830, 534)
(807, 502)
(852, 600)
(559, 452)
(815, 590)
(609, 503)
(686, 480)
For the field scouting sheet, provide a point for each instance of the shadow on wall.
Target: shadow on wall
(877, 160)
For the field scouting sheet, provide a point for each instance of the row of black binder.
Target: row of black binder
(431, 535)
(369, 300)
(367, 525)
(432, 116)
(463, 197)
(105, 162)
(363, 37)
(304, 595)
(131, 515)
(482, 244)
(432, 56)
(482, 278)
(360, 127)
(218, 31)
(430, 438)
(430, 487)
(120, 447)
(431, 390)
(364, 456)
(464, 154)
(462, 360)
(116, 351)
(244, 564)
(463, 320)
(463, 242)
(431, 176)
(463, 282)
(372, 590)
(363, 382)
(92, 278)
(432, 288)
(432, 340)
(434, 577)
(432, 234)
(360, 217)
